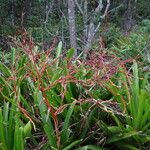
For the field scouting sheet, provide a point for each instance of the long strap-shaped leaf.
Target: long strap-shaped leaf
(2, 138)
(65, 131)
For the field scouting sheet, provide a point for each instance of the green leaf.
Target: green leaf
(69, 147)
(13, 53)
(59, 48)
(121, 136)
(129, 147)
(49, 130)
(6, 111)
(2, 137)
(136, 76)
(21, 65)
(70, 53)
(145, 117)
(3, 147)
(58, 52)
(91, 147)
(18, 137)
(27, 129)
(56, 75)
(38, 100)
(5, 71)
(140, 112)
(11, 127)
(65, 131)
(114, 129)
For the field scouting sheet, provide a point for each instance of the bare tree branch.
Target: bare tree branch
(48, 8)
(94, 25)
(91, 22)
(72, 25)
(78, 5)
(85, 20)
(106, 9)
(104, 15)
(99, 7)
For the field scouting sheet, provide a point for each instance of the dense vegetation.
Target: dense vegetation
(62, 89)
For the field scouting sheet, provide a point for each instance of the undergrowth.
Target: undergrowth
(62, 103)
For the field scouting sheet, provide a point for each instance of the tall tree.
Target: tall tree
(129, 15)
(92, 19)
(72, 26)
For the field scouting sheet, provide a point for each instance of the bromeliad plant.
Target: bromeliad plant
(13, 132)
(41, 91)
(67, 103)
(14, 128)
(132, 94)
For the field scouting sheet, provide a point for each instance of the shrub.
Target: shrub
(135, 45)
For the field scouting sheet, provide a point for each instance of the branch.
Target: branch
(97, 27)
(106, 9)
(48, 11)
(79, 7)
(99, 7)
(115, 9)
(104, 15)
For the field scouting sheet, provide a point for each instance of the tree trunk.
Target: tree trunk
(128, 21)
(72, 26)
(92, 20)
